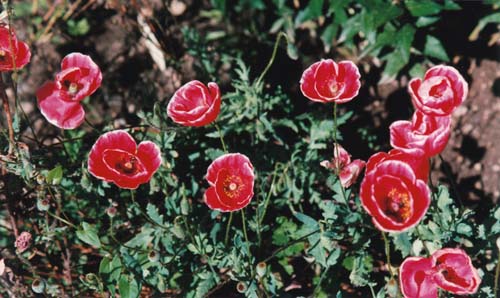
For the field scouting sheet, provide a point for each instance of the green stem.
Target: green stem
(318, 286)
(62, 220)
(273, 56)
(497, 275)
(388, 254)
(337, 170)
(268, 196)
(221, 138)
(289, 244)
(243, 220)
(226, 238)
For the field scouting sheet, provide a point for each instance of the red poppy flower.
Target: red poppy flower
(455, 272)
(416, 278)
(425, 132)
(341, 163)
(13, 53)
(441, 91)
(327, 81)
(116, 158)
(392, 193)
(59, 101)
(194, 104)
(231, 180)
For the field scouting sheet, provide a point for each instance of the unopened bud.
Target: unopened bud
(111, 211)
(241, 287)
(38, 286)
(43, 204)
(153, 256)
(498, 243)
(261, 269)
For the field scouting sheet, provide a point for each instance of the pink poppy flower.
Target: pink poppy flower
(23, 242)
(13, 53)
(416, 278)
(348, 171)
(441, 91)
(116, 158)
(231, 180)
(392, 193)
(59, 101)
(194, 104)
(327, 81)
(425, 133)
(454, 271)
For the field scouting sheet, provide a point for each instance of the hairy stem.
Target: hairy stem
(388, 254)
(226, 238)
(273, 56)
(221, 138)
(8, 115)
(497, 274)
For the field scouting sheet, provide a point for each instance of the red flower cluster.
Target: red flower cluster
(394, 190)
(327, 81)
(435, 98)
(450, 269)
(194, 104)
(341, 163)
(116, 158)
(59, 100)
(231, 180)
(14, 54)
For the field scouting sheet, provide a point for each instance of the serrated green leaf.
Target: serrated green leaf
(435, 49)
(154, 214)
(402, 243)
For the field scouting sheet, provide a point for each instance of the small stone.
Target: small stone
(467, 128)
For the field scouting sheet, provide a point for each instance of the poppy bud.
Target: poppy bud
(38, 286)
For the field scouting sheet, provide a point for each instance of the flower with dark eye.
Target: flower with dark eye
(392, 193)
(440, 92)
(14, 54)
(59, 101)
(328, 81)
(454, 271)
(231, 180)
(116, 158)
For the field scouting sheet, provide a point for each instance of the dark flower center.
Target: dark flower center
(451, 275)
(127, 165)
(398, 205)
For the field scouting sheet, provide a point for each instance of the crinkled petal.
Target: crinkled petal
(57, 110)
(415, 278)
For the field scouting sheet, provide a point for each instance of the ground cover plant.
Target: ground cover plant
(246, 149)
